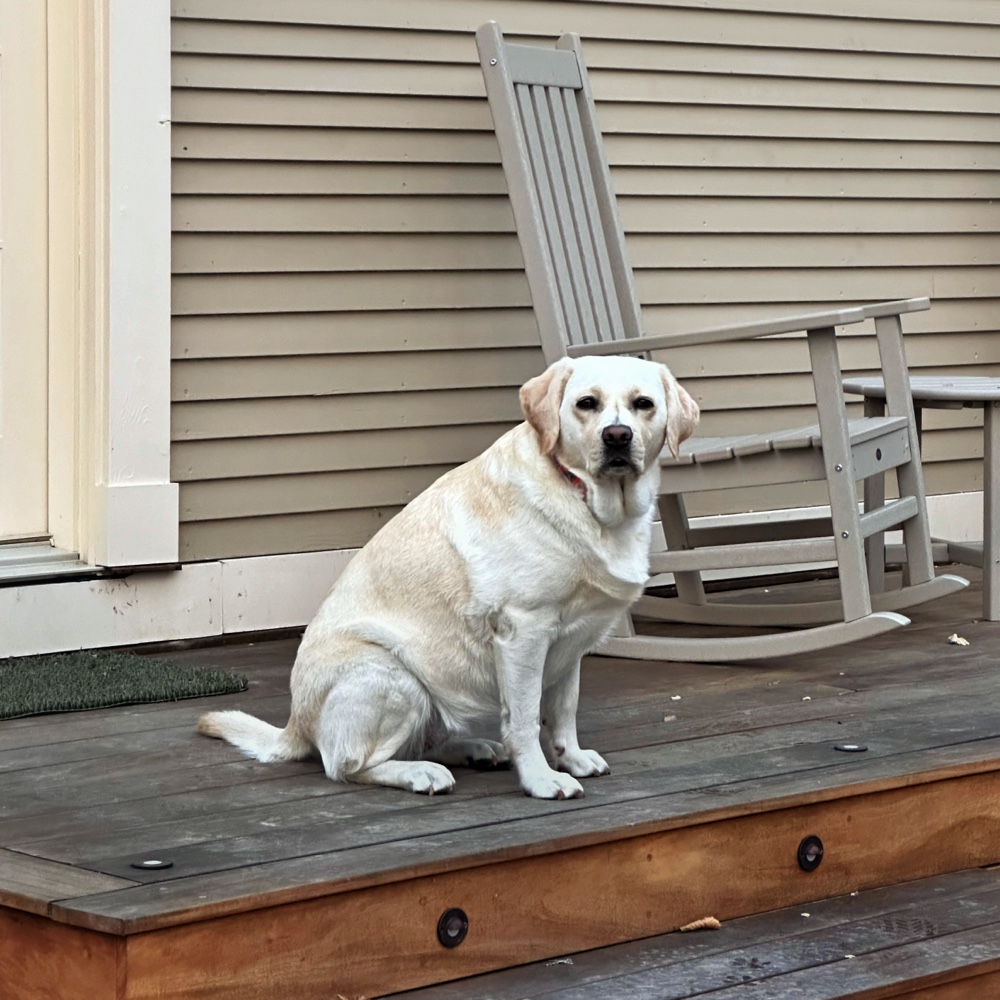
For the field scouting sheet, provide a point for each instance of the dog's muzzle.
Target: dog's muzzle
(617, 441)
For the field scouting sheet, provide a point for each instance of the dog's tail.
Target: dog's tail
(255, 737)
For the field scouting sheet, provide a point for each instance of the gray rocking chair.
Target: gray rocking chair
(585, 304)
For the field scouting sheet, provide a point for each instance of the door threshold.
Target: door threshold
(38, 560)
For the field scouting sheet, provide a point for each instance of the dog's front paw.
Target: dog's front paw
(582, 763)
(551, 784)
(427, 778)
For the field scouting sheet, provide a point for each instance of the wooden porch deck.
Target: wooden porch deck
(283, 884)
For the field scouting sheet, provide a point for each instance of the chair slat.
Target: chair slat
(606, 282)
(546, 200)
(563, 215)
(596, 305)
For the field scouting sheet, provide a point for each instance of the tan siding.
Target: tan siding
(298, 494)
(256, 378)
(350, 312)
(265, 456)
(267, 334)
(202, 421)
(235, 253)
(232, 537)
(258, 293)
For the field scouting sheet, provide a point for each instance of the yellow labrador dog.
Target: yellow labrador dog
(480, 597)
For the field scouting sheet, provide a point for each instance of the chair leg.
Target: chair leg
(991, 513)
(844, 514)
(673, 517)
(899, 402)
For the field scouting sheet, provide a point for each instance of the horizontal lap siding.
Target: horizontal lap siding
(351, 316)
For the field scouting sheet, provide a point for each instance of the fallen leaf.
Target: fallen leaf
(705, 924)
(956, 640)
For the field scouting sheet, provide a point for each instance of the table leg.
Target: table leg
(991, 512)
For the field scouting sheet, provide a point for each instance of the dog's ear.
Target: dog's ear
(541, 398)
(682, 411)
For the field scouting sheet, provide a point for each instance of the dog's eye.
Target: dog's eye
(644, 403)
(587, 403)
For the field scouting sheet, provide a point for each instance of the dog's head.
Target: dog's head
(609, 417)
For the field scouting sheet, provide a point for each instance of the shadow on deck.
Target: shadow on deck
(283, 884)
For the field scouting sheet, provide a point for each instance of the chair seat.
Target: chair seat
(702, 450)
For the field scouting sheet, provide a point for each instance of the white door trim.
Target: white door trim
(23, 277)
(111, 498)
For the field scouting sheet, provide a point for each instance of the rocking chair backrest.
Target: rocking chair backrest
(560, 190)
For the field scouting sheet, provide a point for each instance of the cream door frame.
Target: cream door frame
(110, 495)
(23, 277)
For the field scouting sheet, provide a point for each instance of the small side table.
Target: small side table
(954, 392)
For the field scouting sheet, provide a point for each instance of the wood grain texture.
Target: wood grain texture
(283, 877)
(971, 988)
(383, 939)
(31, 884)
(748, 949)
(42, 960)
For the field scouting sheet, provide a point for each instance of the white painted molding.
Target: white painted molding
(134, 514)
(144, 607)
(198, 601)
(236, 596)
(956, 516)
(271, 592)
(130, 524)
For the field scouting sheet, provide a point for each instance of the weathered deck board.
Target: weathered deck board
(704, 757)
(31, 884)
(856, 945)
(975, 805)
(656, 773)
(366, 819)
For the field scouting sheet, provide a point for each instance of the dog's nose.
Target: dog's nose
(617, 436)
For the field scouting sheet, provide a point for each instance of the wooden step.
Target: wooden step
(933, 939)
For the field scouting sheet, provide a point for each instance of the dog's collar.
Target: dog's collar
(574, 480)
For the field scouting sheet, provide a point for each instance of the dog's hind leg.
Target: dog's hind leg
(376, 710)
(466, 751)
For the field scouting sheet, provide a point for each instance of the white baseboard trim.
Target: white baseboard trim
(235, 596)
(201, 600)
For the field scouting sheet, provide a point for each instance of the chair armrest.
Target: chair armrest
(749, 331)
(721, 334)
(895, 308)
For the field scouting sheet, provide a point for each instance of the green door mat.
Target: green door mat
(74, 682)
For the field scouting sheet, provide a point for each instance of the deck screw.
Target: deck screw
(493, 62)
(452, 927)
(845, 534)
(838, 468)
(810, 853)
